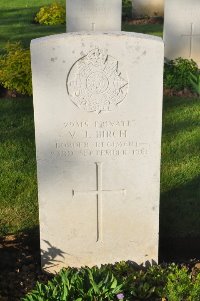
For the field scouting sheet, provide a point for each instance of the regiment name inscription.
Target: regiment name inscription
(99, 139)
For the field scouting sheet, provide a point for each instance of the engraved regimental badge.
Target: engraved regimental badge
(95, 83)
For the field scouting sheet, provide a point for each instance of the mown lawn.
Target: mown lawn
(152, 29)
(18, 187)
(17, 23)
(180, 173)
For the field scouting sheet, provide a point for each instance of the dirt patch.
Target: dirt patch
(144, 21)
(182, 93)
(5, 93)
(20, 261)
(184, 250)
(19, 266)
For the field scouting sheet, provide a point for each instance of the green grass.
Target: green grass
(152, 29)
(180, 173)
(18, 187)
(16, 23)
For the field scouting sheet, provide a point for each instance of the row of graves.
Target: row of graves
(98, 118)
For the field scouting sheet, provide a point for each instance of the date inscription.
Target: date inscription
(99, 139)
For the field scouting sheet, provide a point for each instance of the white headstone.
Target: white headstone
(152, 8)
(94, 15)
(98, 107)
(182, 29)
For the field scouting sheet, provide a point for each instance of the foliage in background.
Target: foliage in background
(15, 69)
(53, 14)
(17, 23)
(177, 73)
(122, 281)
(195, 81)
(126, 3)
(126, 9)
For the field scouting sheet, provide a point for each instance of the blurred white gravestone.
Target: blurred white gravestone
(94, 15)
(98, 107)
(182, 33)
(152, 8)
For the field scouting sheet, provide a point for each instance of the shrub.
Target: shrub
(179, 284)
(126, 9)
(78, 285)
(177, 73)
(127, 3)
(52, 14)
(15, 69)
(145, 284)
(195, 292)
(122, 281)
(195, 81)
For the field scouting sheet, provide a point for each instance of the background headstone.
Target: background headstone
(182, 29)
(94, 15)
(152, 8)
(98, 107)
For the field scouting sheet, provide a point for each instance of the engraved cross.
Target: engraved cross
(191, 35)
(93, 26)
(99, 198)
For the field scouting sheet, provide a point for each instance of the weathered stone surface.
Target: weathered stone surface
(182, 29)
(148, 8)
(94, 15)
(98, 107)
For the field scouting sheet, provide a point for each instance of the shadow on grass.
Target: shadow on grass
(17, 119)
(17, 24)
(14, 250)
(20, 264)
(180, 206)
(180, 114)
(12, 247)
(180, 222)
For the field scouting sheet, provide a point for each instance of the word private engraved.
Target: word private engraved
(95, 84)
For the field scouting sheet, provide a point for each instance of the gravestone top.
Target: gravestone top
(113, 34)
(93, 15)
